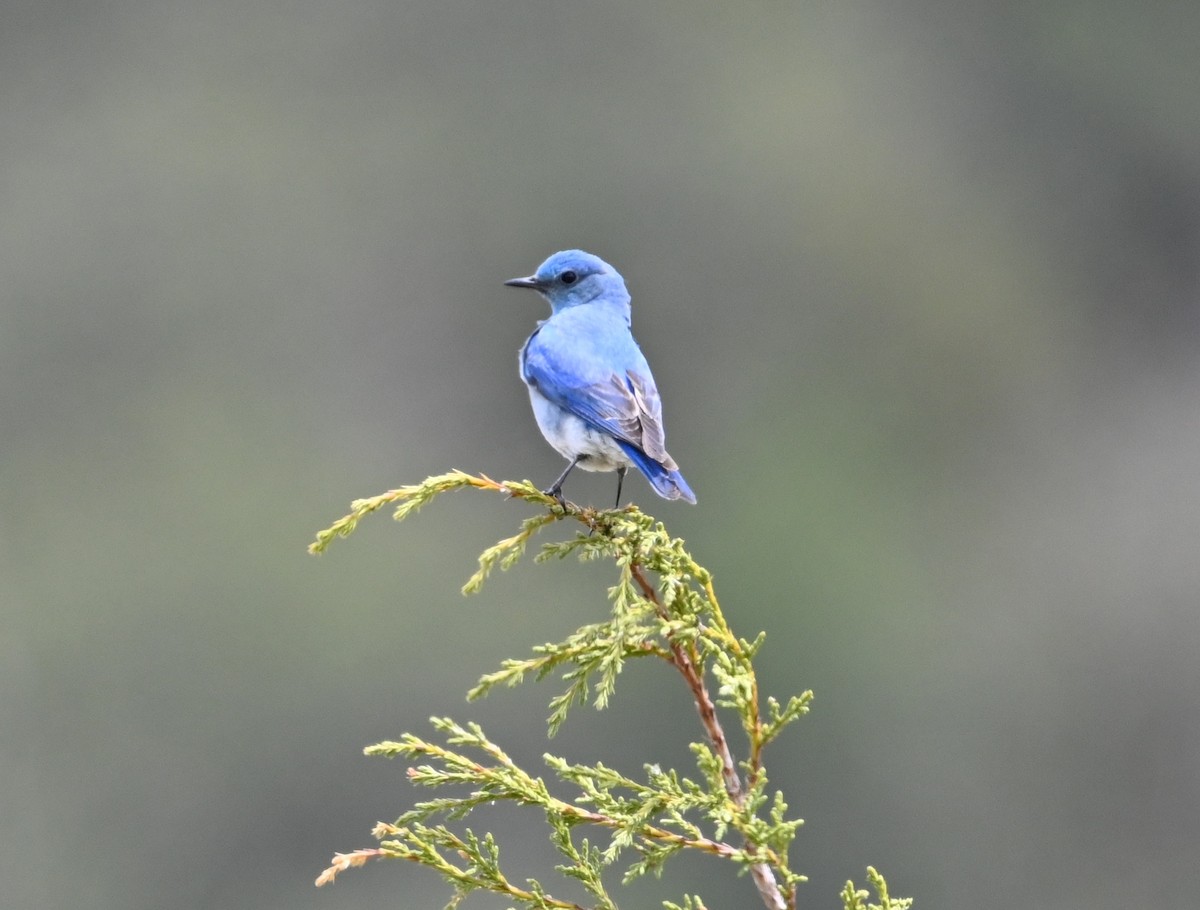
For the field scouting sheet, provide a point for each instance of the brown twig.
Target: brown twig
(686, 661)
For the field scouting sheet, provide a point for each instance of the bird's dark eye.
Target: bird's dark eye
(568, 277)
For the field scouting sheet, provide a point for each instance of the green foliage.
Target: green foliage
(853, 899)
(663, 608)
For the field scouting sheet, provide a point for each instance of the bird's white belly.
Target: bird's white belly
(572, 437)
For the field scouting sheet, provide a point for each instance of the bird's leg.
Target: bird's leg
(556, 488)
(620, 480)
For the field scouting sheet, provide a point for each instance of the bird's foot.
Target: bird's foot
(555, 493)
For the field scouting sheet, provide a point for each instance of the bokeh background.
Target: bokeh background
(920, 287)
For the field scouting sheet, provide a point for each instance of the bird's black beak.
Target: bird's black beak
(530, 282)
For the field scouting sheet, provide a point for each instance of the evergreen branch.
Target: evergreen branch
(854, 899)
(412, 498)
(506, 781)
(507, 552)
(479, 869)
(664, 605)
(343, 861)
(686, 661)
(513, 672)
(594, 654)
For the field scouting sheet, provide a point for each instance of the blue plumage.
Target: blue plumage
(592, 392)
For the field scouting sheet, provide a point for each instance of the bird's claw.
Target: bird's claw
(557, 496)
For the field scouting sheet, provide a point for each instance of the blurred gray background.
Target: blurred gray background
(920, 287)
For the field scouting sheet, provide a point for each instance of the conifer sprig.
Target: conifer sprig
(663, 606)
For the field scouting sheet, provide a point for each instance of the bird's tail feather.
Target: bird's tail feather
(667, 484)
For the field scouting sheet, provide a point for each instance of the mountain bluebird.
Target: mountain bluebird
(591, 389)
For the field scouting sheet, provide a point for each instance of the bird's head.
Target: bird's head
(573, 278)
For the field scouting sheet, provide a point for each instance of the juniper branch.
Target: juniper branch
(507, 781)
(663, 606)
(686, 661)
(856, 899)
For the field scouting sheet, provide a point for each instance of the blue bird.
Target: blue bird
(592, 392)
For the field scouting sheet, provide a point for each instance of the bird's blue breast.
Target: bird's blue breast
(582, 346)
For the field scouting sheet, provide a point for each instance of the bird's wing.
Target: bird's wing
(621, 402)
